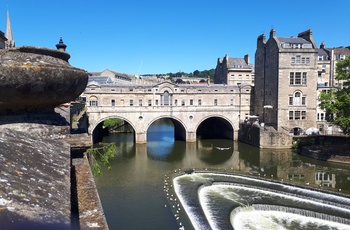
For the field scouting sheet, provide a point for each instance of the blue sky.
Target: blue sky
(162, 36)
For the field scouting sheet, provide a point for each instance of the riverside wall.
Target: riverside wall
(44, 185)
(264, 137)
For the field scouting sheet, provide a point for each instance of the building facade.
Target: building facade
(234, 71)
(286, 71)
(326, 80)
(188, 104)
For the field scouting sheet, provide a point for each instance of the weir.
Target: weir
(229, 201)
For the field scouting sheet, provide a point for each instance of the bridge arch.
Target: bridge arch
(97, 126)
(215, 126)
(180, 129)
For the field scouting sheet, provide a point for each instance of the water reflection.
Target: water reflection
(132, 192)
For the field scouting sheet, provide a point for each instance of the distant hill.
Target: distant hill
(196, 74)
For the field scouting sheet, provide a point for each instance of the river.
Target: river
(132, 193)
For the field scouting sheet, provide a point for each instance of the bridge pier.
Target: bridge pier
(141, 138)
(235, 134)
(191, 136)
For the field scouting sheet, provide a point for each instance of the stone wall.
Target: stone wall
(264, 137)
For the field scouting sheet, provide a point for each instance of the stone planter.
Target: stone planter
(35, 78)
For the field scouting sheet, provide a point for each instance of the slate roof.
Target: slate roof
(293, 40)
(342, 51)
(238, 63)
(322, 52)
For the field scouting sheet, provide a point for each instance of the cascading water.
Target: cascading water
(229, 201)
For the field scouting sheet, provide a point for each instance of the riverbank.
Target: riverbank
(332, 153)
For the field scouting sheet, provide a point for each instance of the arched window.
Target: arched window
(297, 96)
(93, 101)
(166, 98)
(298, 99)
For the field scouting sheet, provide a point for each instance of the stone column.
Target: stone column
(140, 138)
(191, 136)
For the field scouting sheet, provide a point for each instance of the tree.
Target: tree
(336, 102)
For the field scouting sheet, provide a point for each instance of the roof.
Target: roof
(341, 51)
(293, 40)
(99, 79)
(322, 52)
(238, 63)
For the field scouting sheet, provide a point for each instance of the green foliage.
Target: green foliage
(111, 122)
(198, 74)
(101, 156)
(337, 102)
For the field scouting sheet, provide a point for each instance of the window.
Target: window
(215, 102)
(247, 77)
(240, 76)
(175, 102)
(290, 100)
(112, 102)
(231, 101)
(140, 102)
(304, 78)
(291, 78)
(297, 99)
(303, 61)
(297, 59)
(290, 115)
(298, 78)
(307, 61)
(149, 102)
(323, 68)
(292, 60)
(199, 101)
(157, 102)
(297, 115)
(183, 102)
(191, 101)
(166, 97)
(303, 115)
(131, 102)
(93, 103)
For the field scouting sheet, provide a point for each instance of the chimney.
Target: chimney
(272, 33)
(307, 35)
(247, 59)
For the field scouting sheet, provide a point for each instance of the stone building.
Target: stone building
(286, 71)
(115, 77)
(2, 40)
(10, 42)
(326, 80)
(234, 71)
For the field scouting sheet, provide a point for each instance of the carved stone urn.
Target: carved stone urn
(33, 78)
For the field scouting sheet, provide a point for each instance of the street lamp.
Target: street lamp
(239, 108)
(240, 86)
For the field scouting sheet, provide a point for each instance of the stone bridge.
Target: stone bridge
(193, 109)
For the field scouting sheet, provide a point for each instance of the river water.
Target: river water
(132, 193)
